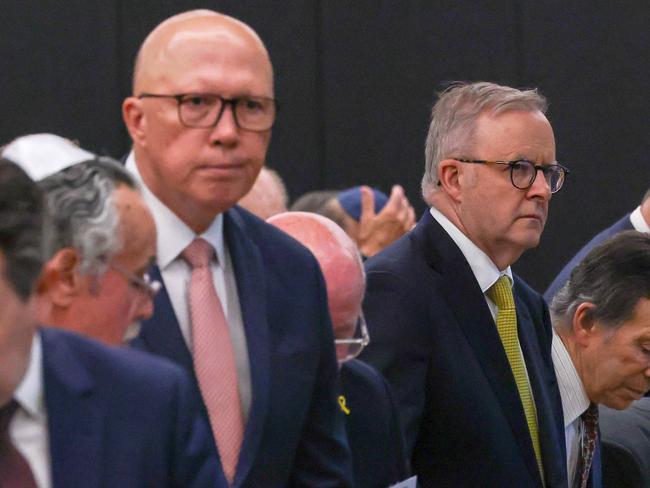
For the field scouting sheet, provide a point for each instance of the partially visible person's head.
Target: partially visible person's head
(343, 207)
(268, 196)
(482, 144)
(47, 154)
(105, 240)
(200, 146)
(321, 202)
(22, 244)
(602, 315)
(339, 260)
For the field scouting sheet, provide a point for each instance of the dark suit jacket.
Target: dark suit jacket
(435, 341)
(118, 417)
(563, 276)
(373, 427)
(626, 445)
(295, 434)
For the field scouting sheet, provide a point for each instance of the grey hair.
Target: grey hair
(614, 276)
(80, 202)
(454, 116)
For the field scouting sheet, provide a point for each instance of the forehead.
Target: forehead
(208, 59)
(515, 134)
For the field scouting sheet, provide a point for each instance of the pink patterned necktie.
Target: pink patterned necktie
(214, 359)
(14, 469)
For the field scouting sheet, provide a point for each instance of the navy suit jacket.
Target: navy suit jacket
(434, 339)
(295, 434)
(373, 427)
(118, 417)
(563, 276)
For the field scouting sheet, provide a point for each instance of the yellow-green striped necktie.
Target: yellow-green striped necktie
(501, 294)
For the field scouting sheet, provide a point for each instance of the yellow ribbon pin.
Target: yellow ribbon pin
(345, 409)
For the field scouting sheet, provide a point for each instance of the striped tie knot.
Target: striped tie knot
(199, 253)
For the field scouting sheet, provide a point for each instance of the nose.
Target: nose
(225, 132)
(540, 187)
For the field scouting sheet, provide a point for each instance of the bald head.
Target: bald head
(268, 196)
(164, 46)
(200, 170)
(339, 260)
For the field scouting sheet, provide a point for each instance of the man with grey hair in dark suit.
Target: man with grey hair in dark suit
(463, 341)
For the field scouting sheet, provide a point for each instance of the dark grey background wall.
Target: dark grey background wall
(356, 80)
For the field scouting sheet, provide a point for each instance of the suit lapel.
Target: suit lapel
(543, 385)
(161, 333)
(464, 297)
(75, 417)
(251, 288)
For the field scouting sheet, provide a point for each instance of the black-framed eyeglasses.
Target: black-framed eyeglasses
(347, 349)
(144, 283)
(204, 110)
(524, 172)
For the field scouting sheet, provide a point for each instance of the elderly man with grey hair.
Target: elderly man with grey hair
(104, 240)
(463, 341)
(96, 283)
(601, 349)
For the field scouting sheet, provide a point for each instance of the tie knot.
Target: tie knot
(501, 293)
(199, 253)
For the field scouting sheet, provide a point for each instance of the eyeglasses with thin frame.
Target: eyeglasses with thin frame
(204, 110)
(143, 283)
(524, 172)
(354, 345)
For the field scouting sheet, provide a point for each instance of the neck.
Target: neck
(502, 257)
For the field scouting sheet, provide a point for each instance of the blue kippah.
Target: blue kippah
(350, 200)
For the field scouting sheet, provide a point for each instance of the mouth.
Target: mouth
(219, 170)
(535, 217)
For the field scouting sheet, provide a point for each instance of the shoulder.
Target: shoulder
(361, 381)
(360, 371)
(269, 239)
(122, 366)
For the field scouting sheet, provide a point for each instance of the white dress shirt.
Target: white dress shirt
(638, 222)
(173, 237)
(574, 401)
(28, 428)
(485, 271)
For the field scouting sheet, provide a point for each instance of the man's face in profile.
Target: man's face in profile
(108, 304)
(495, 214)
(616, 362)
(203, 171)
(17, 326)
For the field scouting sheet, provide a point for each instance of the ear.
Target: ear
(134, 118)
(59, 280)
(449, 177)
(583, 324)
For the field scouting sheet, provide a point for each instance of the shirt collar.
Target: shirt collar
(638, 222)
(174, 235)
(30, 392)
(574, 397)
(485, 271)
